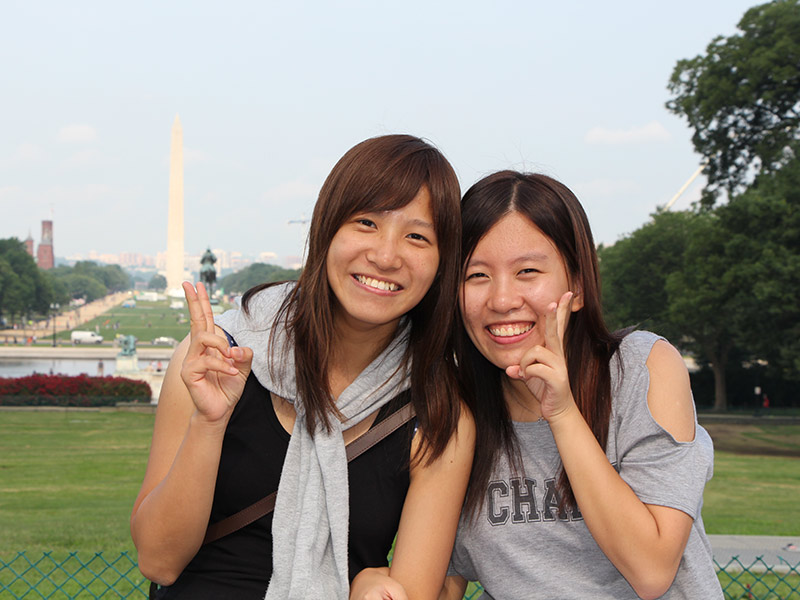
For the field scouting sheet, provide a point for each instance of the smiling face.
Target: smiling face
(381, 264)
(513, 275)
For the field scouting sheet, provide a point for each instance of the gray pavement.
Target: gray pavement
(756, 552)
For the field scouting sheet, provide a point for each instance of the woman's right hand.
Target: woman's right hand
(213, 372)
(375, 584)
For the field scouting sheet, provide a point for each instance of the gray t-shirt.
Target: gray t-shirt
(520, 547)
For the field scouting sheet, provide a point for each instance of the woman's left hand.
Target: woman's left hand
(375, 584)
(543, 368)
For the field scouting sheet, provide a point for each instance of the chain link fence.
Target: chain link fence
(82, 575)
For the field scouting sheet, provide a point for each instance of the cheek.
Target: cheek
(470, 302)
(426, 267)
(540, 294)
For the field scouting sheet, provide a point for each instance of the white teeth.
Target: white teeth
(378, 284)
(509, 330)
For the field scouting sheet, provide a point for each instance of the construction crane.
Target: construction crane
(301, 221)
(686, 185)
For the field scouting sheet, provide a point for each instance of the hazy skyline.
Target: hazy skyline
(271, 95)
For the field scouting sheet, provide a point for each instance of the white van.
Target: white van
(85, 337)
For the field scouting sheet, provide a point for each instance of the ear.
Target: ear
(577, 298)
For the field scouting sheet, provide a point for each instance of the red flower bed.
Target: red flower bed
(63, 390)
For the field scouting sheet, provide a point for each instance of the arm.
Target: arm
(430, 515)
(201, 386)
(454, 588)
(645, 542)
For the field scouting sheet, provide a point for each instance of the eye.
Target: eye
(418, 237)
(476, 275)
(365, 222)
(529, 271)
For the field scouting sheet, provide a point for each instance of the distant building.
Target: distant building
(44, 256)
(29, 245)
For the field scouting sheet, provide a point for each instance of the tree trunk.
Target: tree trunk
(720, 389)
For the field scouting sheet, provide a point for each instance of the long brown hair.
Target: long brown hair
(382, 173)
(555, 210)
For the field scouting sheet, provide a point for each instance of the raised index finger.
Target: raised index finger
(556, 323)
(564, 310)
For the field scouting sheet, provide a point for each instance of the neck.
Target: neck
(521, 404)
(353, 350)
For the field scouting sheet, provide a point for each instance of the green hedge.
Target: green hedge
(64, 390)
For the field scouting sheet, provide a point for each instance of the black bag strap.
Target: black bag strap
(355, 448)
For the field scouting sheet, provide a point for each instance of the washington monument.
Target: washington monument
(175, 217)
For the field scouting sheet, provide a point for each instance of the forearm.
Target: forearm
(170, 522)
(624, 527)
(454, 588)
(430, 516)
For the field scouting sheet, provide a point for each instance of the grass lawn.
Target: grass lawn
(147, 321)
(756, 484)
(69, 479)
(753, 495)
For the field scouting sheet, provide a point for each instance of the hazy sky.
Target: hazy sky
(272, 94)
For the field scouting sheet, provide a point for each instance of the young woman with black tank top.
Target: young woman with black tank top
(309, 367)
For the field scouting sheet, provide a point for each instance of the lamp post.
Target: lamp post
(54, 307)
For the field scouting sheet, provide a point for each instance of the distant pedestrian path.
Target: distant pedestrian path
(780, 553)
(67, 320)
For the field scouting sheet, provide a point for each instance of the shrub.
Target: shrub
(64, 390)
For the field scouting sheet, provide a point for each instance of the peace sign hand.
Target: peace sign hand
(214, 373)
(544, 368)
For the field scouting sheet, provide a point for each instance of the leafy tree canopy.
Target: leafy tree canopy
(157, 282)
(762, 227)
(719, 283)
(742, 97)
(635, 269)
(91, 281)
(243, 280)
(23, 287)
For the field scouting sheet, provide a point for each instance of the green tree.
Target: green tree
(256, 273)
(111, 276)
(84, 286)
(669, 276)
(742, 97)
(157, 282)
(634, 272)
(24, 290)
(762, 228)
(91, 281)
(721, 284)
(703, 297)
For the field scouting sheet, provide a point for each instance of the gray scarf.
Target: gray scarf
(310, 523)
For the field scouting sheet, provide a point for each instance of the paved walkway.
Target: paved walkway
(68, 319)
(779, 552)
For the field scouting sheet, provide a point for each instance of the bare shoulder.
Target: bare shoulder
(466, 425)
(669, 396)
(459, 451)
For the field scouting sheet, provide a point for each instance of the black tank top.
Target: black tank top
(239, 565)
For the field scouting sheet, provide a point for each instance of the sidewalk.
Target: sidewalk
(70, 318)
(774, 551)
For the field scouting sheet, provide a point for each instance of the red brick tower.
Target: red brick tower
(45, 257)
(29, 245)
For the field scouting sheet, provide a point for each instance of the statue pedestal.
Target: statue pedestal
(127, 364)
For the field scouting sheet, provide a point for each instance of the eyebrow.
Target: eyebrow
(421, 223)
(530, 257)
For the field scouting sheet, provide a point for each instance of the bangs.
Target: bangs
(392, 183)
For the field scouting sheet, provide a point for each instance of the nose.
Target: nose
(384, 252)
(504, 296)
